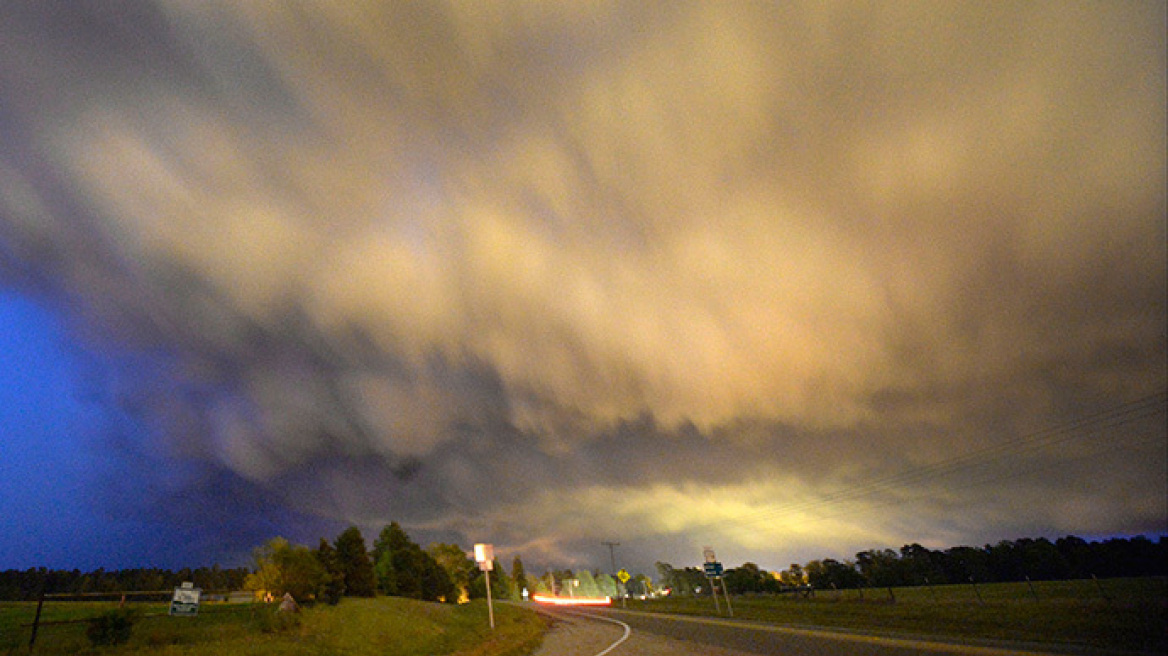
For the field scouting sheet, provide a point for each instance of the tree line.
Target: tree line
(26, 585)
(1038, 559)
(395, 566)
(580, 583)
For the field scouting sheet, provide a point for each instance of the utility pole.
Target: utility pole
(612, 554)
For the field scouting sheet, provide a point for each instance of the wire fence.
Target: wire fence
(99, 603)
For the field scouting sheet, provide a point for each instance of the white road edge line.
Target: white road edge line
(628, 630)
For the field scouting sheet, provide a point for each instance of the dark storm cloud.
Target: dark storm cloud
(544, 271)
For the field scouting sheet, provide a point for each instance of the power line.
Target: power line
(1028, 444)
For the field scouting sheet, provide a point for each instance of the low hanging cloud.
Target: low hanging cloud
(391, 256)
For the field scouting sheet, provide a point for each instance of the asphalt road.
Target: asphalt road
(725, 636)
(577, 634)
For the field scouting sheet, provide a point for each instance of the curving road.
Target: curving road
(598, 632)
(578, 633)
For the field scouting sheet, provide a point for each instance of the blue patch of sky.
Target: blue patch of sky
(45, 454)
(75, 489)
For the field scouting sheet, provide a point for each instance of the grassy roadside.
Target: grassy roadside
(1127, 614)
(382, 626)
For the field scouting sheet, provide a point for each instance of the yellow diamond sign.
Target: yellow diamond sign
(623, 575)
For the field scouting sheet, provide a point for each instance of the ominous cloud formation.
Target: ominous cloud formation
(550, 273)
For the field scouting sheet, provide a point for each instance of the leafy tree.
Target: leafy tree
(392, 538)
(283, 567)
(549, 583)
(1041, 560)
(640, 584)
(920, 565)
(1076, 552)
(686, 581)
(385, 576)
(539, 585)
(831, 573)
(436, 585)
(354, 563)
(500, 582)
(963, 563)
(459, 567)
(390, 541)
(666, 574)
(747, 578)
(587, 586)
(606, 585)
(881, 567)
(334, 585)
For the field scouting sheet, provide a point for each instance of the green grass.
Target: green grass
(386, 626)
(1129, 614)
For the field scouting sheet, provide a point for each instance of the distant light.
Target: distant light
(572, 601)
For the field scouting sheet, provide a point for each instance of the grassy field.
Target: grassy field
(385, 626)
(1127, 614)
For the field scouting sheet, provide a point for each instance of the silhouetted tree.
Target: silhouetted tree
(919, 564)
(1040, 560)
(746, 578)
(793, 576)
(500, 582)
(403, 569)
(519, 576)
(963, 563)
(831, 573)
(334, 585)
(354, 563)
(880, 567)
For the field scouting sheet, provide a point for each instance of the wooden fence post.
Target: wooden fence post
(1100, 587)
(1031, 586)
(37, 620)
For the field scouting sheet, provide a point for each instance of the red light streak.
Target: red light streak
(572, 601)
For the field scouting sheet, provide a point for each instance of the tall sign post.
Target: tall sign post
(710, 561)
(725, 592)
(485, 557)
(624, 577)
(713, 570)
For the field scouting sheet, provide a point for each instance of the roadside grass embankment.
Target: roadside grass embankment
(1112, 614)
(383, 626)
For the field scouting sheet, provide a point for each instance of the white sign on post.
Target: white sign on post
(485, 557)
(185, 600)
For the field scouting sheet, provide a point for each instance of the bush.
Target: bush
(111, 628)
(268, 619)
